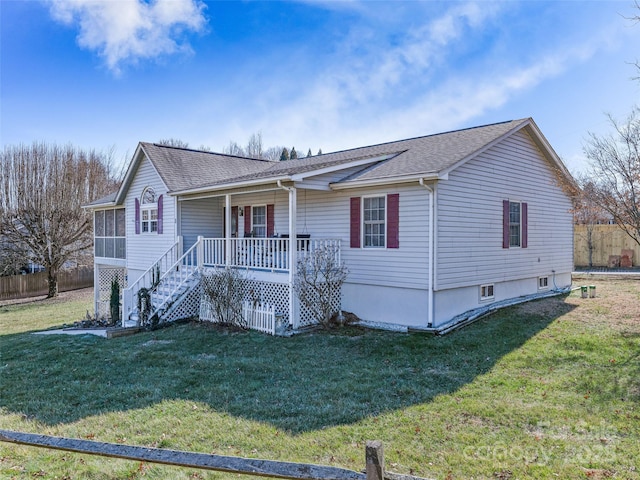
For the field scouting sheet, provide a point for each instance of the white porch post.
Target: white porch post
(227, 229)
(293, 256)
(96, 289)
(200, 252)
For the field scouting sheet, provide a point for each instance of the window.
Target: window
(149, 211)
(515, 228)
(259, 221)
(374, 221)
(514, 224)
(109, 233)
(486, 292)
(543, 282)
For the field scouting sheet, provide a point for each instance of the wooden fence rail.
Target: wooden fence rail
(35, 284)
(374, 459)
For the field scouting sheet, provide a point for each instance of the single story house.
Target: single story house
(429, 228)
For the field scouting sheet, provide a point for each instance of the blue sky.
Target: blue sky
(311, 74)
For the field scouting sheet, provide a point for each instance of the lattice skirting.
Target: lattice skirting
(305, 316)
(186, 306)
(106, 275)
(278, 295)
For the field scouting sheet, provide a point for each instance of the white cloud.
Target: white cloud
(125, 31)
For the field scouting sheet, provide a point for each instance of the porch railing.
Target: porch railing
(262, 253)
(149, 278)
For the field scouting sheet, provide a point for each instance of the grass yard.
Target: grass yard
(549, 389)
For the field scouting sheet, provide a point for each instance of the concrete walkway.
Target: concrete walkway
(99, 332)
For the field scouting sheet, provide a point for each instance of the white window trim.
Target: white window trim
(487, 286)
(149, 208)
(545, 280)
(519, 225)
(266, 220)
(362, 222)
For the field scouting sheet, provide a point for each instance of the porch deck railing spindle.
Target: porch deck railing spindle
(263, 253)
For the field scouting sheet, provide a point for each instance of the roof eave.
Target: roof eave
(387, 180)
(99, 206)
(230, 185)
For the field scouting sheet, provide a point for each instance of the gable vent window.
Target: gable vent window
(148, 212)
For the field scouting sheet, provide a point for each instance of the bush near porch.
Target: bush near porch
(546, 389)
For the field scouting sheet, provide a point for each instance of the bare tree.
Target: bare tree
(234, 149)
(587, 211)
(42, 190)
(615, 172)
(253, 149)
(173, 142)
(254, 146)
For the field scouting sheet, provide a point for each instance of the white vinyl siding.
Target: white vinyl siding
(201, 217)
(144, 249)
(327, 216)
(470, 218)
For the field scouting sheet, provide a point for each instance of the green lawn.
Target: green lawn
(549, 389)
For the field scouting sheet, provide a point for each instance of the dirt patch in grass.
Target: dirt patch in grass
(70, 296)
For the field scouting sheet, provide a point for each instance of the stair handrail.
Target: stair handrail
(146, 280)
(192, 255)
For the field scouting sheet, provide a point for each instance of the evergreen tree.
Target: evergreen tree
(293, 154)
(284, 155)
(319, 152)
(309, 153)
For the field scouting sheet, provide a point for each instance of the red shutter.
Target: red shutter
(505, 224)
(160, 209)
(137, 214)
(355, 223)
(234, 216)
(247, 221)
(270, 219)
(525, 225)
(393, 220)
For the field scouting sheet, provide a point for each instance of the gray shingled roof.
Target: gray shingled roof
(111, 198)
(184, 169)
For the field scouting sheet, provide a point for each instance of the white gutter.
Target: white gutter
(432, 256)
(385, 181)
(231, 185)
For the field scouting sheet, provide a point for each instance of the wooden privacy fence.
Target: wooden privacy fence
(35, 284)
(607, 240)
(374, 459)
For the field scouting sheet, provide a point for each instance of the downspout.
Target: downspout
(432, 255)
(292, 251)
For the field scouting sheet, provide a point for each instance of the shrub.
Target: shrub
(319, 279)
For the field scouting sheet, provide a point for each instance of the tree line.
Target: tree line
(42, 190)
(253, 149)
